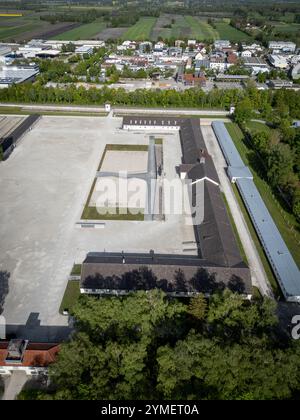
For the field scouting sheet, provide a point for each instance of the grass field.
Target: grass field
(141, 30)
(255, 126)
(289, 28)
(275, 208)
(200, 29)
(71, 296)
(225, 31)
(14, 27)
(91, 213)
(236, 233)
(30, 26)
(87, 31)
(17, 31)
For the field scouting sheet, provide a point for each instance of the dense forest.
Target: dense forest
(148, 346)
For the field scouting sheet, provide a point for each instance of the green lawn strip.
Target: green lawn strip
(127, 147)
(21, 111)
(212, 117)
(258, 245)
(256, 294)
(92, 213)
(236, 233)
(274, 206)
(255, 126)
(82, 32)
(76, 270)
(71, 296)
(158, 141)
(141, 30)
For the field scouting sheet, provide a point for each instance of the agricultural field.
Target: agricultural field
(15, 27)
(30, 26)
(88, 31)
(226, 31)
(112, 33)
(200, 29)
(179, 27)
(196, 28)
(288, 28)
(141, 30)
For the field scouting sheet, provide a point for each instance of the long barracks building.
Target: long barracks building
(218, 264)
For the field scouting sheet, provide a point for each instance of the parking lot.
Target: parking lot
(44, 187)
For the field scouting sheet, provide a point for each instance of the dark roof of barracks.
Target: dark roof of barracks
(171, 273)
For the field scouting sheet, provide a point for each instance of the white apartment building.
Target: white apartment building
(218, 64)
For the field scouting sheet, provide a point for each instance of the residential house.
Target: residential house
(194, 80)
(22, 355)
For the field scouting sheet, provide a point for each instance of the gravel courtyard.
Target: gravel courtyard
(44, 187)
(129, 161)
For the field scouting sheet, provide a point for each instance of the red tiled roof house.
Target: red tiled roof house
(33, 358)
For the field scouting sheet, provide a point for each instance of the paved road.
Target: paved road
(71, 108)
(259, 277)
(14, 385)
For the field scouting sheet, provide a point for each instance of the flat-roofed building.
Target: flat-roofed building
(278, 61)
(280, 84)
(10, 75)
(254, 62)
(84, 49)
(285, 46)
(153, 123)
(221, 43)
(231, 77)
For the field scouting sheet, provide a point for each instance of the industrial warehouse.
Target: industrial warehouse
(218, 264)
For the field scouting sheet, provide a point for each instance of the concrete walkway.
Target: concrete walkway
(14, 385)
(259, 277)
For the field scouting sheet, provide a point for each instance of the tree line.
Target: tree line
(279, 147)
(190, 98)
(148, 346)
